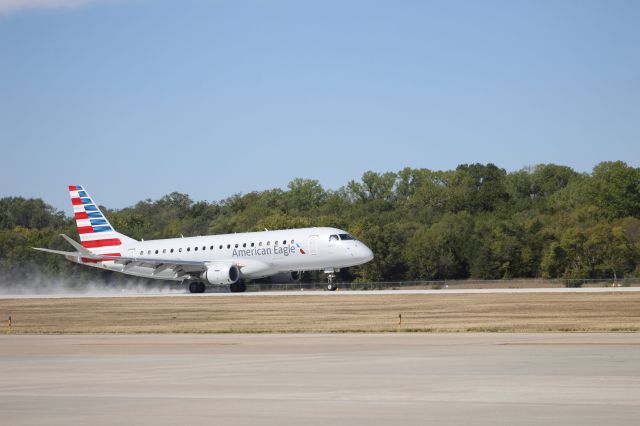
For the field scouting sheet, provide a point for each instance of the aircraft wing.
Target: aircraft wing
(151, 261)
(178, 266)
(194, 264)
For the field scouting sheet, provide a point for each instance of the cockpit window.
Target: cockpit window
(333, 238)
(346, 237)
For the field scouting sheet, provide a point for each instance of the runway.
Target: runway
(361, 379)
(338, 293)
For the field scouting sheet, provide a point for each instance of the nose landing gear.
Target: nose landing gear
(331, 278)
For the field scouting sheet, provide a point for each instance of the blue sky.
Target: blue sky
(136, 99)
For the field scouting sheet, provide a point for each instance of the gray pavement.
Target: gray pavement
(372, 379)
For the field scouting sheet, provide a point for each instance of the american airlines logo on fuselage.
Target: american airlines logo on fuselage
(266, 251)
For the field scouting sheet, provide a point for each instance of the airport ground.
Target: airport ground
(498, 310)
(458, 357)
(320, 379)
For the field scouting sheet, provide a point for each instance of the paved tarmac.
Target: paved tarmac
(336, 379)
(226, 293)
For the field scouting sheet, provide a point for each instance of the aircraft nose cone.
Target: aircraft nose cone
(367, 254)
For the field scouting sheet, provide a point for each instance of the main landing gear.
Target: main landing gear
(199, 287)
(196, 287)
(238, 287)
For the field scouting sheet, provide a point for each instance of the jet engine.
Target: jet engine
(221, 273)
(286, 277)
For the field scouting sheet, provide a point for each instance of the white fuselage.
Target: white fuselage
(257, 254)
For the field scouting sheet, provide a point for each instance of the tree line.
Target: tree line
(477, 221)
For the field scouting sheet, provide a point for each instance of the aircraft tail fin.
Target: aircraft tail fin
(97, 235)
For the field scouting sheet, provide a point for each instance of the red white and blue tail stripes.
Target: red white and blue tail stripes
(96, 233)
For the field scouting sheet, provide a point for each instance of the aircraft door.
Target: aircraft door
(313, 244)
(131, 253)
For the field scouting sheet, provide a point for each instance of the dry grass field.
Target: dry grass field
(352, 313)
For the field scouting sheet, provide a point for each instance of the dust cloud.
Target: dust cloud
(43, 284)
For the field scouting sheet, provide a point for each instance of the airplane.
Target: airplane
(218, 260)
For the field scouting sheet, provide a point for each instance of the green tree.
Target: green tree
(477, 187)
(304, 195)
(442, 250)
(615, 188)
(477, 220)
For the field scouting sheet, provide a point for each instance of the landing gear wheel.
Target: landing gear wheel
(331, 286)
(196, 287)
(238, 287)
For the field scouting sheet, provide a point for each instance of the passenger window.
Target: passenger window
(292, 242)
(284, 242)
(236, 245)
(171, 250)
(244, 244)
(156, 251)
(180, 249)
(220, 246)
(164, 251)
(228, 246)
(268, 242)
(333, 238)
(204, 247)
(195, 248)
(252, 244)
(141, 252)
(260, 244)
(148, 251)
(188, 248)
(211, 248)
(275, 243)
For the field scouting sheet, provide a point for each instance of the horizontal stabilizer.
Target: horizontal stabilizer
(64, 253)
(81, 251)
(76, 245)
